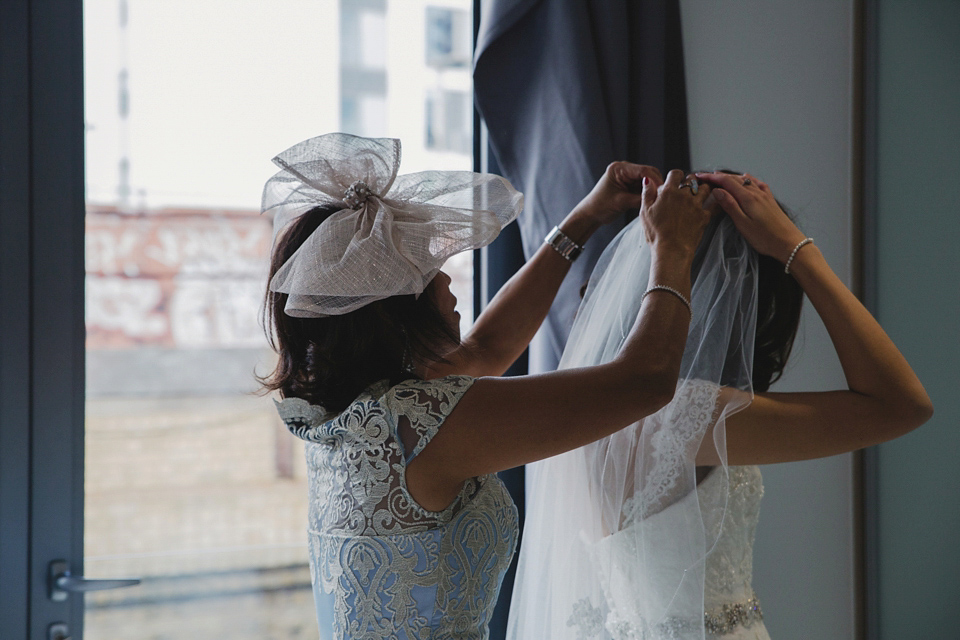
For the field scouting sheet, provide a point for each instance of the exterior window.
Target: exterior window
(191, 482)
(449, 121)
(448, 37)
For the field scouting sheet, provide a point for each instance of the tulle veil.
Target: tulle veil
(616, 535)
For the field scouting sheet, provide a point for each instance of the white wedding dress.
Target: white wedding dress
(620, 540)
(731, 608)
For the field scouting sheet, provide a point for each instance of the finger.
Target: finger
(703, 191)
(750, 180)
(730, 205)
(654, 174)
(627, 175)
(674, 178)
(649, 192)
(733, 184)
(658, 177)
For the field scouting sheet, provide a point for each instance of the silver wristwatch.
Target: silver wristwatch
(563, 245)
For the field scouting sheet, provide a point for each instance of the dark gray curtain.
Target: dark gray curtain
(565, 87)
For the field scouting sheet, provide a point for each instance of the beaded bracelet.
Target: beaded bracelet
(786, 268)
(663, 287)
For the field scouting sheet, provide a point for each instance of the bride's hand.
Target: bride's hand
(756, 214)
(619, 190)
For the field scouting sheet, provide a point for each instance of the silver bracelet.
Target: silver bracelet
(563, 245)
(786, 268)
(663, 287)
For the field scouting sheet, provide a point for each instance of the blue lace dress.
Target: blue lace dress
(382, 566)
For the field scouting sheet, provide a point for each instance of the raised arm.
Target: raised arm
(884, 398)
(509, 322)
(505, 422)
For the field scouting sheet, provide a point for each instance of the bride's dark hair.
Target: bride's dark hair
(330, 361)
(779, 302)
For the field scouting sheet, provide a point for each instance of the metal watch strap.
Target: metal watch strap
(563, 245)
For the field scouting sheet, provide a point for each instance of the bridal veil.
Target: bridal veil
(616, 536)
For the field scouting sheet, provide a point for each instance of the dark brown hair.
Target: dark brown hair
(779, 302)
(329, 361)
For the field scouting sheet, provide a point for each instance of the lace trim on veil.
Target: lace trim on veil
(692, 410)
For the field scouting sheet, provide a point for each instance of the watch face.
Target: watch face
(563, 244)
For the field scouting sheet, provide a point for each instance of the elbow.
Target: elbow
(919, 407)
(666, 393)
(661, 386)
(912, 413)
(646, 388)
(921, 410)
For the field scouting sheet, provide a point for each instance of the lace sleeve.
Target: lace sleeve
(302, 418)
(421, 406)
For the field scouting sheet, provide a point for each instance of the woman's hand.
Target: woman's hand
(619, 190)
(673, 216)
(753, 209)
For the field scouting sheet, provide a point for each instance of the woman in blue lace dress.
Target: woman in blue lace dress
(410, 531)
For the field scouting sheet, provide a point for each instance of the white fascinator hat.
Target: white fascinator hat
(392, 233)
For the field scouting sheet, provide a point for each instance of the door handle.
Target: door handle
(59, 631)
(61, 583)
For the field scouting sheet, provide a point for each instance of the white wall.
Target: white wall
(769, 89)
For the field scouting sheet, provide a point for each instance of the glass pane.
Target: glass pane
(192, 483)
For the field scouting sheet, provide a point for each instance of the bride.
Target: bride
(648, 533)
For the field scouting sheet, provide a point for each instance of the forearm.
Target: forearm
(655, 345)
(537, 416)
(514, 315)
(592, 402)
(872, 364)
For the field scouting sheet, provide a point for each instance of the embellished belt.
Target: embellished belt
(717, 621)
(725, 618)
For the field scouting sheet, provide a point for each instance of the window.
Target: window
(449, 121)
(183, 115)
(448, 40)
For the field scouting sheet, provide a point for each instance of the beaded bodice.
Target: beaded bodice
(731, 609)
(729, 569)
(383, 566)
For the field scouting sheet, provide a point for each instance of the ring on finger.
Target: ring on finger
(693, 185)
(747, 181)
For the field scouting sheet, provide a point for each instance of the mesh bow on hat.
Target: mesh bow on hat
(393, 233)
